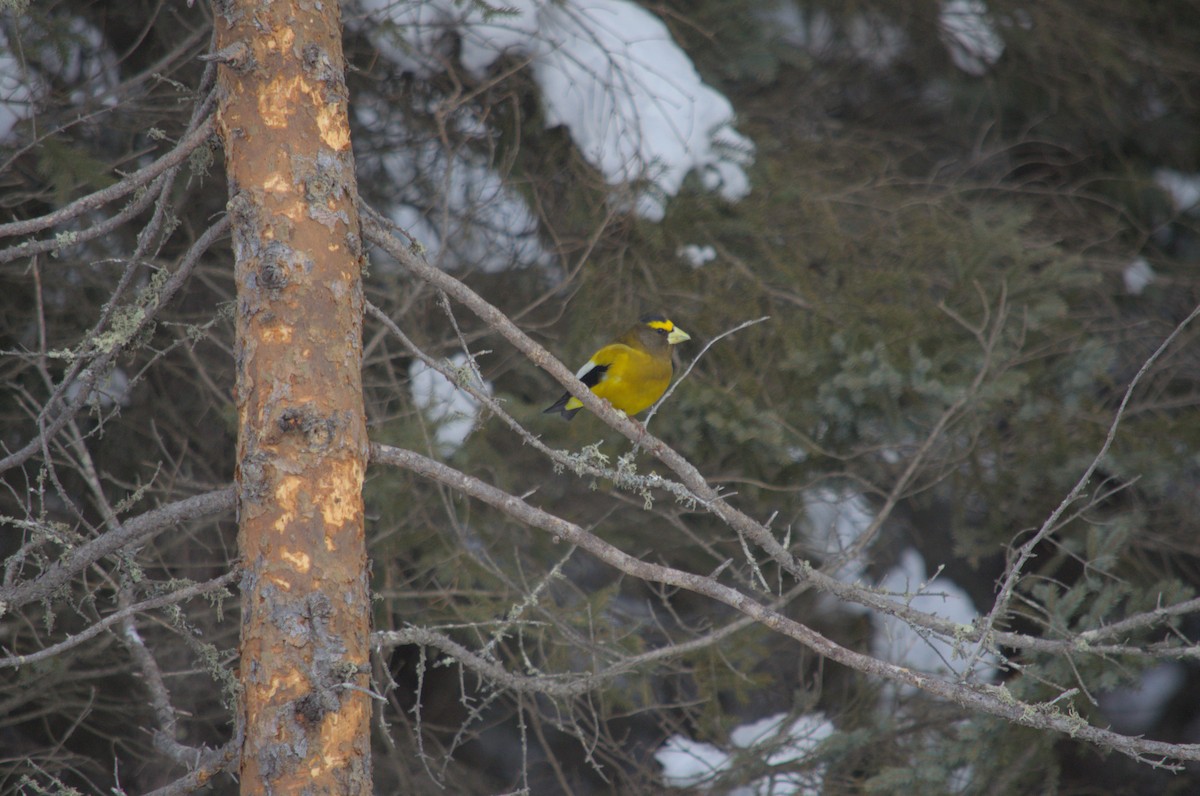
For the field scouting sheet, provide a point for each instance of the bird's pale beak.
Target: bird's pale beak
(678, 335)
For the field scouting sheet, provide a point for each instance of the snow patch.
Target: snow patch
(969, 35)
(16, 93)
(1137, 708)
(1184, 189)
(74, 58)
(836, 520)
(451, 410)
(779, 743)
(688, 764)
(696, 255)
(874, 40)
(811, 30)
(1138, 275)
(898, 642)
(608, 71)
(481, 223)
(110, 391)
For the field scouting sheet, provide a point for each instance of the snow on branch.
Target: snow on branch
(608, 71)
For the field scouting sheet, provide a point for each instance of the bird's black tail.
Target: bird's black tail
(560, 406)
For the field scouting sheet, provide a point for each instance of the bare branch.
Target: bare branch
(695, 359)
(135, 531)
(1051, 524)
(139, 179)
(211, 763)
(96, 629)
(57, 411)
(994, 700)
(558, 685)
(160, 697)
(692, 484)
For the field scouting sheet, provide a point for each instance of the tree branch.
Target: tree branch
(134, 531)
(138, 179)
(996, 701)
(692, 484)
(185, 593)
(86, 377)
(1000, 607)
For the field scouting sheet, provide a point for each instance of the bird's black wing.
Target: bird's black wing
(591, 377)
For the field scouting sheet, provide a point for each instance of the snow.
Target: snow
(1184, 189)
(898, 642)
(692, 764)
(450, 410)
(875, 40)
(695, 255)
(868, 37)
(79, 58)
(1138, 275)
(836, 520)
(811, 30)
(964, 27)
(688, 764)
(969, 36)
(608, 71)
(75, 58)
(15, 91)
(788, 744)
(110, 391)
(482, 224)
(1136, 709)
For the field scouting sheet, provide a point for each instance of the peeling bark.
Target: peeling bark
(302, 443)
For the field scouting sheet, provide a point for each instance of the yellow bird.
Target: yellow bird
(632, 372)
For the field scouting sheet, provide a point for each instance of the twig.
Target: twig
(85, 204)
(996, 701)
(692, 364)
(57, 411)
(692, 483)
(186, 593)
(211, 763)
(160, 697)
(1051, 523)
(133, 532)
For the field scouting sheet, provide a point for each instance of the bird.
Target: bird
(631, 372)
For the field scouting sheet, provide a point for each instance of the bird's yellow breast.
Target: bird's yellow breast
(634, 379)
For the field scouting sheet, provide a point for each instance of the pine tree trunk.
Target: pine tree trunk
(302, 444)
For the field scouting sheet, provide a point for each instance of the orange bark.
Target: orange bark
(302, 444)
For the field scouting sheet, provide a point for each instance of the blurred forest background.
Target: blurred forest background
(969, 226)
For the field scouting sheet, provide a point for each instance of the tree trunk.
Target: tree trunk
(302, 444)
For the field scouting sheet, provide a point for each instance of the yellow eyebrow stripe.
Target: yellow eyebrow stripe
(664, 325)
